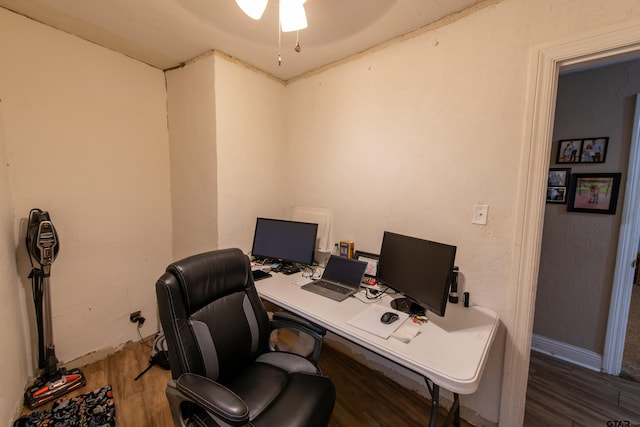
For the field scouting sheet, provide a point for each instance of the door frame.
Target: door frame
(625, 259)
(602, 45)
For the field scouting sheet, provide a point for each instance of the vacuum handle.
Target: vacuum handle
(46, 242)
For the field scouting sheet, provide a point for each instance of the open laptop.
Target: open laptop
(340, 280)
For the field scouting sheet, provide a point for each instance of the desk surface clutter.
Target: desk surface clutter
(451, 350)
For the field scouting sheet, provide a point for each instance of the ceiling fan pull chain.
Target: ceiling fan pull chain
(279, 43)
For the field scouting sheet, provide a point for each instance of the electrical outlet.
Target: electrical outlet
(136, 317)
(133, 317)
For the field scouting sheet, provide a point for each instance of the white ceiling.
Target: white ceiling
(166, 33)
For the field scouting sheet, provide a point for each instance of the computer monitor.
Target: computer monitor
(419, 269)
(284, 241)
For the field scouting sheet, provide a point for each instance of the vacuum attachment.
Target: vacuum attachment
(45, 389)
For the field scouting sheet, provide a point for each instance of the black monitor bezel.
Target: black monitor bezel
(285, 259)
(419, 301)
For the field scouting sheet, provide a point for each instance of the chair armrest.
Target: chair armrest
(297, 322)
(213, 397)
(283, 319)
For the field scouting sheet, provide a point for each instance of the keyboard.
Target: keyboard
(333, 286)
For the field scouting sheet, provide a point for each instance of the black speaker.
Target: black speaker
(453, 291)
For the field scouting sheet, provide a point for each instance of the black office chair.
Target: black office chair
(223, 372)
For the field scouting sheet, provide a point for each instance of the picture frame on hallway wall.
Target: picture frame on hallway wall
(557, 185)
(594, 192)
(583, 150)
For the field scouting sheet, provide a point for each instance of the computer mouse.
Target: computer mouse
(389, 317)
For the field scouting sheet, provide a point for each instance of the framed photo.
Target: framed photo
(585, 150)
(594, 192)
(594, 150)
(569, 151)
(557, 184)
(371, 260)
(556, 194)
(559, 177)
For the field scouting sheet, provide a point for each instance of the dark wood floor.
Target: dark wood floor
(558, 394)
(369, 399)
(365, 397)
(562, 394)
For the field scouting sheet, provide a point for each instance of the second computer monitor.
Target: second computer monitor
(419, 269)
(285, 241)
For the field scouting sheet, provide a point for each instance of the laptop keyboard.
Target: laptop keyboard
(333, 287)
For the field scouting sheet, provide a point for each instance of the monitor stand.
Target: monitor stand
(407, 306)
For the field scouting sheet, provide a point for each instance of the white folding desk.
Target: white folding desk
(450, 351)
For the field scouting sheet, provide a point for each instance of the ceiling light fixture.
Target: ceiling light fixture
(291, 17)
(292, 14)
(253, 8)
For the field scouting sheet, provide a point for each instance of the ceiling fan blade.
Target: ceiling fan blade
(253, 8)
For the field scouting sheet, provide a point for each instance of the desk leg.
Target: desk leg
(454, 411)
(435, 403)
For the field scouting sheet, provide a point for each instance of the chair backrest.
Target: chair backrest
(212, 317)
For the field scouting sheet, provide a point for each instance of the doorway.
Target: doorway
(580, 250)
(604, 45)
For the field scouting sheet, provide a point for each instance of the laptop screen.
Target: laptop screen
(344, 270)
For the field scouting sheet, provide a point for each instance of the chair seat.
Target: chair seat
(273, 394)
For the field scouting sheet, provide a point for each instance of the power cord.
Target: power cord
(142, 341)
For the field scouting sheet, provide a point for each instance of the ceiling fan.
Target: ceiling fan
(292, 13)
(292, 17)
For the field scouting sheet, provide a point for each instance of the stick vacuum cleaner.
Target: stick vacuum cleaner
(43, 246)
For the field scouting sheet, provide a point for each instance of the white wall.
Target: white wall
(228, 153)
(14, 332)
(253, 166)
(405, 145)
(192, 128)
(409, 137)
(85, 135)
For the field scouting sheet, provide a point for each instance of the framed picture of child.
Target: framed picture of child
(594, 192)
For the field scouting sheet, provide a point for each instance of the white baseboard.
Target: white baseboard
(567, 352)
